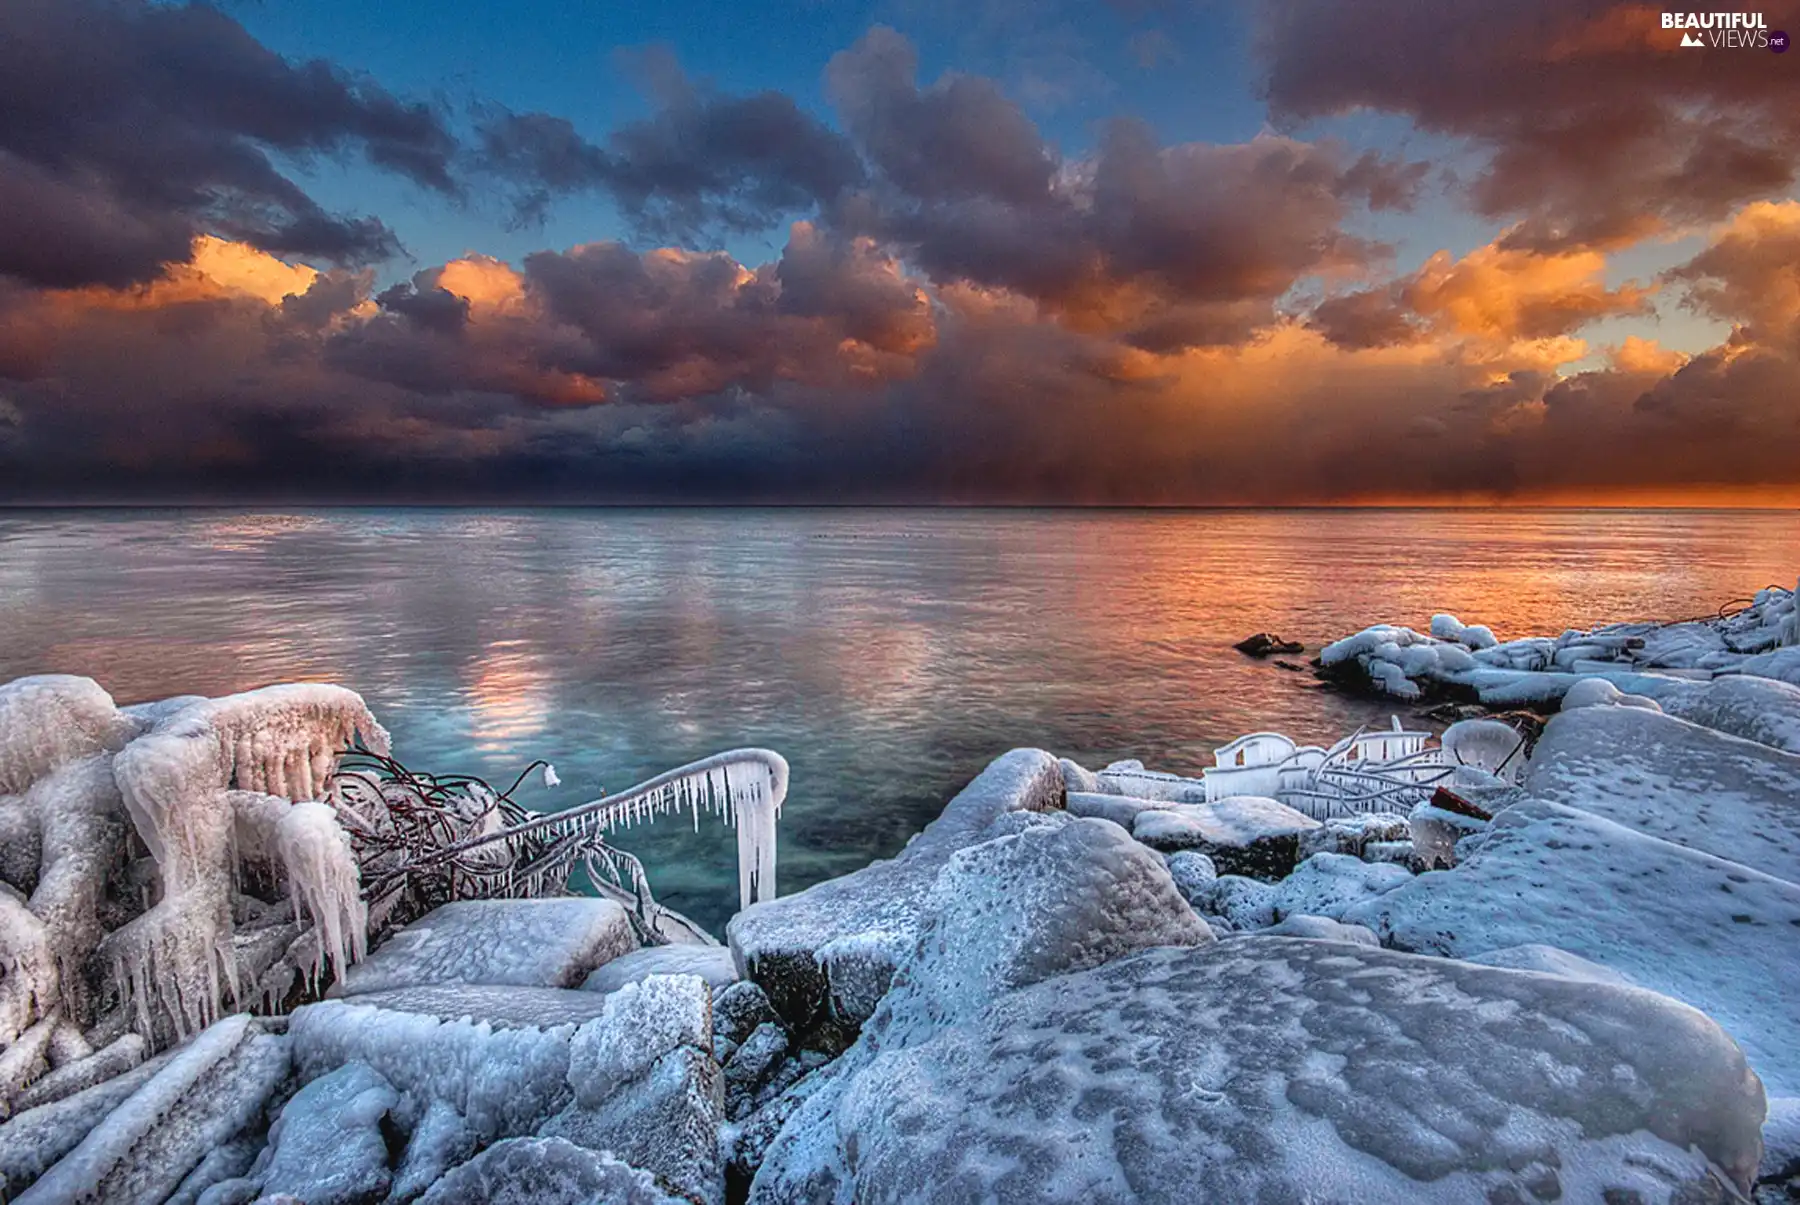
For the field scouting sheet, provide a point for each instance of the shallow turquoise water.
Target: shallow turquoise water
(887, 653)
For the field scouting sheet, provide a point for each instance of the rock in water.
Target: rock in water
(545, 1171)
(328, 1144)
(1714, 934)
(778, 942)
(1242, 834)
(1280, 1069)
(526, 943)
(1263, 645)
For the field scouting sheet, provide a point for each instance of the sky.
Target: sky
(1158, 252)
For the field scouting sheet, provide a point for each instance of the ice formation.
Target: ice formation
(1639, 658)
(202, 772)
(744, 787)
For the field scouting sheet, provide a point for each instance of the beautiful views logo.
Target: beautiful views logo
(1734, 31)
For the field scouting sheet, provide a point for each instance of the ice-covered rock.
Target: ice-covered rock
(1489, 745)
(1757, 709)
(35, 1138)
(116, 1058)
(751, 1066)
(503, 1081)
(1715, 934)
(545, 1171)
(1599, 692)
(665, 1121)
(1436, 832)
(712, 963)
(211, 1089)
(526, 943)
(1242, 834)
(1548, 960)
(777, 942)
(327, 1145)
(497, 1005)
(1045, 902)
(1354, 834)
(1673, 779)
(1130, 779)
(739, 1009)
(1122, 810)
(1321, 928)
(1193, 874)
(1330, 884)
(440, 1141)
(643, 1022)
(1277, 1069)
(1243, 903)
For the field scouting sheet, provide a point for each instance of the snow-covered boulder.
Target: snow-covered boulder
(711, 963)
(1021, 909)
(1548, 960)
(503, 1081)
(440, 1141)
(1330, 884)
(1193, 874)
(738, 1010)
(1321, 928)
(751, 1066)
(1600, 692)
(1715, 934)
(778, 942)
(642, 1022)
(327, 1146)
(1243, 903)
(525, 943)
(1277, 1069)
(1129, 778)
(1122, 810)
(665, 1121)
(1757, 709)
(1734, 798)
(1354, 834)
(545, 1171)
(1242, 834)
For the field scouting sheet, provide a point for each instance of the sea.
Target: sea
(888, 654)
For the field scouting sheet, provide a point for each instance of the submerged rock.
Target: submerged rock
(778, 942)
(524, 943)
(1263, 644)
(1272, 1069)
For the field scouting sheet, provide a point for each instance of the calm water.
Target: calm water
(887, 653)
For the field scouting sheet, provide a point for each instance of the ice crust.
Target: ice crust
(1277, 1069)
(527, 943)
(777, 943)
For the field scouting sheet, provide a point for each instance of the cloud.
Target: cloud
(702, 165)
(1597, 127)
(127, 128)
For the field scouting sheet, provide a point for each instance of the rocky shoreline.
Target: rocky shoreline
(1074, 985)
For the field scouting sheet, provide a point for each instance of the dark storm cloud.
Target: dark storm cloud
(126, 128)
(703, 164)
(1597, 124)
(1365, 319)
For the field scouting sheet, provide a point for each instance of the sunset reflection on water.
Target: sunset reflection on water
(888, 653)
